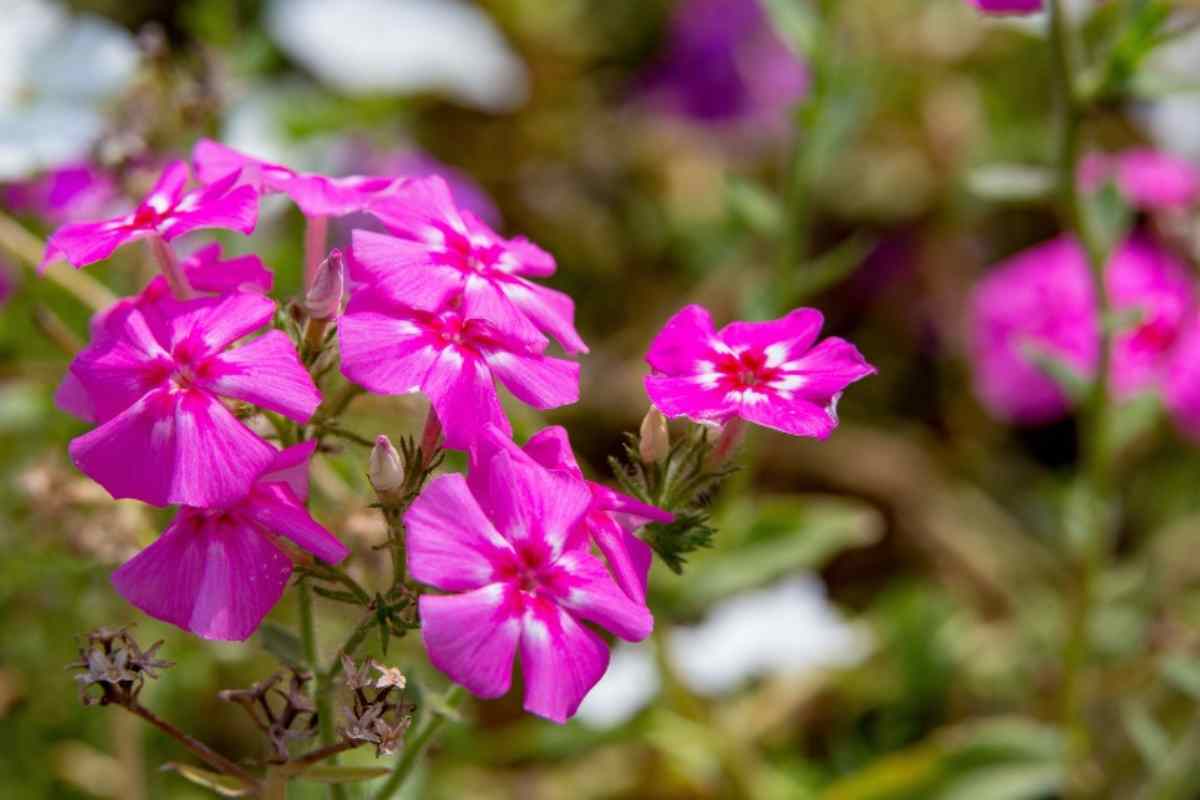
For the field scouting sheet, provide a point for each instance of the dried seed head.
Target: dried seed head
(114, 661)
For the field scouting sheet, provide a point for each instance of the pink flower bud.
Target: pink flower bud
(385, 470)
(324, 298)
(1008, 6)
(654, 441)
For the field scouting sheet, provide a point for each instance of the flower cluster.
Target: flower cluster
(1035, 324)
(526, 552)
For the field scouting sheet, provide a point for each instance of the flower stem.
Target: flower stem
(168, 263)
(416, 745)
(1095, 445)
(322, 686)
(200, 749)
(28, 249)
(315, 234)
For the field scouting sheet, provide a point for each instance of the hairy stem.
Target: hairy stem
(415, 746)
(200, 749)
(168, 264)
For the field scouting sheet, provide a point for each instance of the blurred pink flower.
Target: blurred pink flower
(315, 195)
(1008, 6)
(443, 251)
(1041, 303)
(1149, 179)
(451, 357)
(768, 373)
(69, 193)
(611, 517)
(507, 549)
(167, 211)
(155, 383)
(217, 571)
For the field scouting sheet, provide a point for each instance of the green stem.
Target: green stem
(28, 249)
(322, 688)
(415, 746)
(1096, 448)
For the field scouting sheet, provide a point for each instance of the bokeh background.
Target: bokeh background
(883, 614)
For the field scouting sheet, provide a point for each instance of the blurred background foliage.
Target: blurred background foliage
(883, 615)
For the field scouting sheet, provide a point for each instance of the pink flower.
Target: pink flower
(217, 571)
(167, 211)
(315, 195)
(768, 373)
(443, 251)
(451, 357)
(1148, 178)
(611, 517)
(520, 576)
(155, 382)
(1181, 383)
(1040, 303)
(70, 192)
(1008, 6)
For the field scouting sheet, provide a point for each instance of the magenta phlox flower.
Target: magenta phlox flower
(1041, 304)
(519, 576)
(315, 195)
(611, 518)
(1008, 6)
(452, 358)
(168, 211)
(69, 193)
(440, 251)
(155, 385)
(217, 571)
(1148, 178)
(768, 373)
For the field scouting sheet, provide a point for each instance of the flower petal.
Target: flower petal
(783, 339)
(628, 556)
(210, 324)
(823, 372)
(589, 592)
(551, 447)
(685, 397)
(216, 580)
(472, 637)
(540, 381)
(291, 467)
(685, 339)
(552, 311)
(174, 448)
(450, 543)
(561, 661)
(277, 509)
(528, 503)
(461, 389)
(267, 373)
(382, 352)
(214, 206)
(83, 243)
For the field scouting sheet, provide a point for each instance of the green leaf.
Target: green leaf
(1074, 384)
(224, 785)
(786, 534)
(282, 643)
(1006, 782)
(832, 267)
(1183, 673)
(1151, 741)
(339, 774)
(755, 207)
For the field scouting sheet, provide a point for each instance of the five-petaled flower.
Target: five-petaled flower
(169, 211)
(155, 384)
(451, 357)
(519, 575)
(217, 571)
(611, 518)
(768, 373)
(440, 252)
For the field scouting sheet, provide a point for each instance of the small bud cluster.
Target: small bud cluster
(374, 717)
(113, 661)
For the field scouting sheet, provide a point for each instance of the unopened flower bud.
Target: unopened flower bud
(654, 441)
(386, 470)
(324, 298)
